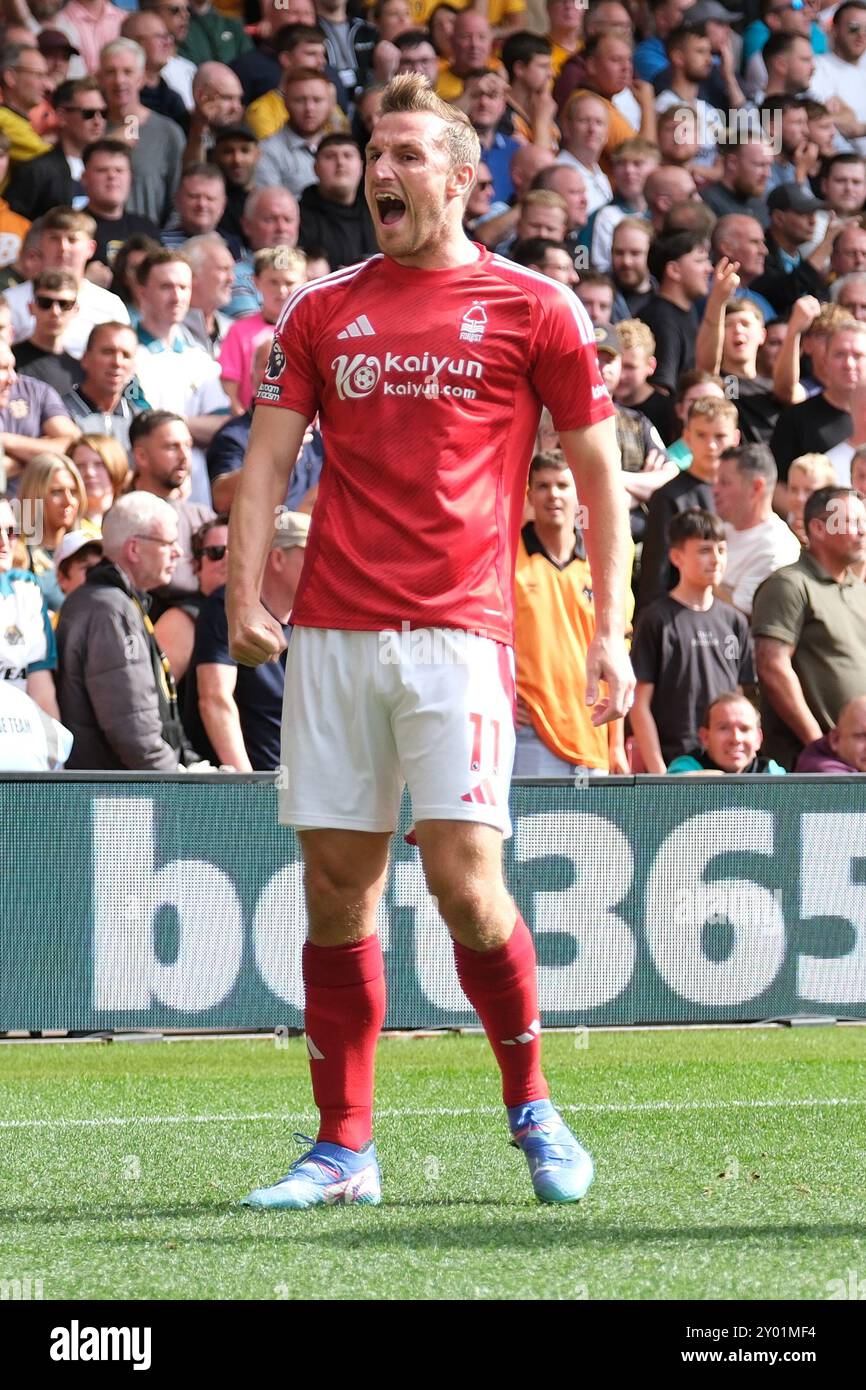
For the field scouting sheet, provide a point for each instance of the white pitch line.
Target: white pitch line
(436, 1112)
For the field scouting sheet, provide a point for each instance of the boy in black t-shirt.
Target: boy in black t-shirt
(711, 428)
(688, 646)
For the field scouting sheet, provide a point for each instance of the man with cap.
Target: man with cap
(787, 275)
(58, 51)
(233, 712)
(721, 88)
(235, 152)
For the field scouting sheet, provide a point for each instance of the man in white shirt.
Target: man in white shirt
(584, 124)
(691, 60)
(173, 372)
(758, 540)
(841, 74)
(66, 242)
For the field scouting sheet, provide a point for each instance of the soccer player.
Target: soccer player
(428, 366)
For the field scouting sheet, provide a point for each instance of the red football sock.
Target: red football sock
(345, 1010)
(501, 987)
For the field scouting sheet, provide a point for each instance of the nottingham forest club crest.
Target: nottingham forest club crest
(276, 363)
(473, 323)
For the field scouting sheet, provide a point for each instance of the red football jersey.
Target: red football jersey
(429, 387)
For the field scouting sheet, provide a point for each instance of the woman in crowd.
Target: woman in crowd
(105, 472)
(52, 497)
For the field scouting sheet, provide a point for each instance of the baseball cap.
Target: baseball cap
(55, 41)
(710, 9)
(789, 197)
(70, 545)
(291, 530)
(607, 339)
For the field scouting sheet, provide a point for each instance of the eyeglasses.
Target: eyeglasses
(47, 301)
(214, 552)
(157, 540)
(853, 28)
(33, 72)
(88, 113)
(175, 9)
(483, 183)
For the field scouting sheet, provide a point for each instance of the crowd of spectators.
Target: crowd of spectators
(171, 171)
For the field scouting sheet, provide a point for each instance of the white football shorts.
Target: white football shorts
(366, 712)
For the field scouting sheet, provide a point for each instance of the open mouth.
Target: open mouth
(391, 208)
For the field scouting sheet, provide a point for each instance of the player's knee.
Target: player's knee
(461, 904)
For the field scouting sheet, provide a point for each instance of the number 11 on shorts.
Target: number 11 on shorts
(478, 721)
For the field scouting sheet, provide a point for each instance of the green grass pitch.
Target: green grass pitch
(729, 1165)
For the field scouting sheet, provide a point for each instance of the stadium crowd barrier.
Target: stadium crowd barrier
(149, 902)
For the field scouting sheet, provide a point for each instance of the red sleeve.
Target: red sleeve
(565, 370)
(291, 377)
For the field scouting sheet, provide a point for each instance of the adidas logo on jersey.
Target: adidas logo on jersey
(361, 327)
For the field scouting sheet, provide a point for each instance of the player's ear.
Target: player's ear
(461, 179)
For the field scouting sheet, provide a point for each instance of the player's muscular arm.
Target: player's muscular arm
(275, 441)
(593, 456)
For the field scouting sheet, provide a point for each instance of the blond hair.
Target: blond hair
(35, 482)
(543, 198)
(636, 147)
(816, 469)
(280, 258)
(409, 93)
(634, 333)
(832, 319)
(712, 408)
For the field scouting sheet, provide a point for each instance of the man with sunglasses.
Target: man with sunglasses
(841, 74)
(66, 242)
(53, 305)
(232, 712)
(54, 179)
